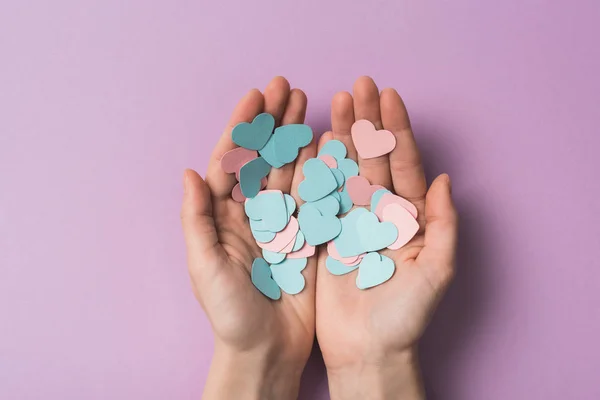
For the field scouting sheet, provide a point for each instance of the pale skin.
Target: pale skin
(368, 337)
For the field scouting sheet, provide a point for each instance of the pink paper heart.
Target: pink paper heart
(390, 198)
(360, 190)
(237, 195)
(369, 142)
(305, 251)
(403, 220)
(233, 160)
(332, 250)
(329, 160)
(283, 238)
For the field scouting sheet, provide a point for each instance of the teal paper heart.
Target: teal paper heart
(251, 174)
(345, 201)
(254, 135)
(269, 154)
(288, 274)
(262, 236)
(272, 257)
(375, 235)
(270, 208)
(337, 267)
(373, 270)
(299, 241)
(334, 148)
(318, 181)
(348, 242)
(348, 167)
(339, 177)
(289, 139)
(328, 205)
(262, 279)
(290, 205)
(317, 228)
(376, 196)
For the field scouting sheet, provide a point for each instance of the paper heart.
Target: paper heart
(290, 205)
(348, 167)
(289, 139)
(334, 148)
(288, 275)
(335, 267)
(373, 270)
(360, 190)
(233, 160)
(236, 193)
(348, 243)
(262, 279)
(254, 135)
(328, 205)
(251, 175)
(333, 253)
(339, 177)
(318, 181)
(389, 198)
(369, 142)
(317, 228)
(271, 257)
(283, 238)
(269, 207)
(345, 201)
(299, 241)
(329, 160)
(403, 220)
(375, 235)
(376, 197)
(260, 236)
(268, 152)
(305, 251)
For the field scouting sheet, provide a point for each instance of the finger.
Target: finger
(438, 254)
(405, 161)
(220, 182)
(366, 106)
(342, 118)
(201, 238)
(306, 153)
(281, 178)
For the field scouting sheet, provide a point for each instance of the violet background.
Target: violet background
(104, 103)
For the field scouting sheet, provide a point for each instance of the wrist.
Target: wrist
(251, 375)
(394, 376)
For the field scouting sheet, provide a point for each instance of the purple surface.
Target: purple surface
(103, 104)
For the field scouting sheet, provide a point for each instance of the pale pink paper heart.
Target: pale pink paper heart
(332, 250)
(288, 248)
(329, 160)
(237, 195)
(360, 190)
(403, 220)
(358, 260)
(305, 251)
(390, 198)
(233, 160)
(283, 238)
(369, 142)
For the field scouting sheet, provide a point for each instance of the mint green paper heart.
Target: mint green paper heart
(348, 167)
(299, 241)
(262, 279)
(317, 228)
(254, 135)
(348, 242)
(373, 270)
(328, 205)
(337, 267)
(334, 148)
(270, 208)
(289, 139)
(345, 201)
(375, 235)
(290, 205)
(376, 196)
(272, 257)
(261, 236)
(318, 181)
(251, 174)
(339, 177)
(288, 274)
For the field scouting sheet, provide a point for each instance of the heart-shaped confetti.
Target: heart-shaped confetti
(373, 270)
(404, 221)
(369, 142)
(334, 148)
(233, 160)
(329, 160)
(251, 175)
(338, 268)
(262, 279)
(389, 198)
(289, 139)
(375, 235)
(317, 228)
(288, 275)
(360, 190)
(318, 181)
(254, 135)
(236, 193)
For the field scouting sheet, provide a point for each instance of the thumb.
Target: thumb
(201, 238)
(440, 230)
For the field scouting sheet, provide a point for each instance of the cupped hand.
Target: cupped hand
(372, 334)
(261, 346)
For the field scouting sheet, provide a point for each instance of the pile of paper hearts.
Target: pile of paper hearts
(331, 187)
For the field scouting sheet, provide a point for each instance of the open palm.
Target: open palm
(365, 326)
(221, 247)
